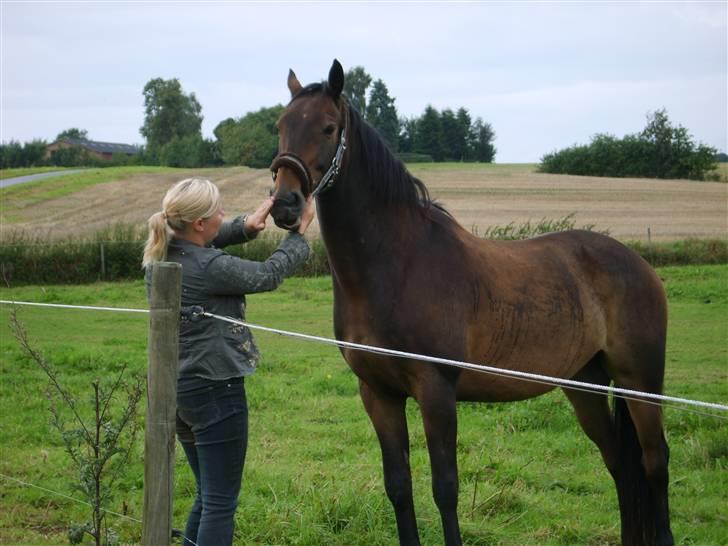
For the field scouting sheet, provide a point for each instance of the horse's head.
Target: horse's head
(311, 144)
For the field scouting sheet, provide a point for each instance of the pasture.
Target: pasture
(313, 476)
(478, 195)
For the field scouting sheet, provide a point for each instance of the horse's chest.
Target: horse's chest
(361, 325)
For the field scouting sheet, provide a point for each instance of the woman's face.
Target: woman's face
(211, 225)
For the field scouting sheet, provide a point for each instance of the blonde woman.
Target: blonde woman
(215, 356)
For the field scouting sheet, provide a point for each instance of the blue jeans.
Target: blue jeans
(212, 426)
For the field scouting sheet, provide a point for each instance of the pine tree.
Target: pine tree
(382, 114)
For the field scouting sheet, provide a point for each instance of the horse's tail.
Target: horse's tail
(636, 502)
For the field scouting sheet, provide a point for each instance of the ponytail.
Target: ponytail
(186, 201)
(155, 250)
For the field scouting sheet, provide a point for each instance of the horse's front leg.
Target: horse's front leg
(387, 413)
(436, 399)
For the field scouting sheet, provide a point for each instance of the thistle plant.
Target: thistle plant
(98, 437)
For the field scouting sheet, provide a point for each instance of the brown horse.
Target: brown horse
(406, 276)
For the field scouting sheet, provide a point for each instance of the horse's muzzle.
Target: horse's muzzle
(287, 210)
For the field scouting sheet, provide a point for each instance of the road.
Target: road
(31, 177)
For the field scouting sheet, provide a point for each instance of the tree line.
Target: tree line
(660, 150)
(173, 121)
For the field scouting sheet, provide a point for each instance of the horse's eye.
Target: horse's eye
(329, 130)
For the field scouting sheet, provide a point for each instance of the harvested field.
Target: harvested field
(479, 196)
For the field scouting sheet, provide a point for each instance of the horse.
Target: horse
(407, 276)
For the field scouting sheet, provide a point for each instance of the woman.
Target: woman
(215, 356)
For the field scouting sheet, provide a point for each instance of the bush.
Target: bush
(687, 252)
(659, 151)
(413, 157)
(188, 152)
(113, 254)
(14, 155)
(28, 260)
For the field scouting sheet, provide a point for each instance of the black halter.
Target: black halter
(295, 163)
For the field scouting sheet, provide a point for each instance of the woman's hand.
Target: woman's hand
(309, 212)
(255, 222)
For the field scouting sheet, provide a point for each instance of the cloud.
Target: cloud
(544, 74)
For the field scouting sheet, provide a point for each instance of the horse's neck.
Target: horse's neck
(360, 233)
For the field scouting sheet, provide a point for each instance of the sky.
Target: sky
(545, 75)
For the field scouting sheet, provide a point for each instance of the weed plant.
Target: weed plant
(115, 253)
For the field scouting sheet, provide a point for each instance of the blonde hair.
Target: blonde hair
(184, 203)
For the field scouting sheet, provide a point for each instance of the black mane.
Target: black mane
(391, 182)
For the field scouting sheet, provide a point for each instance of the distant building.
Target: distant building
(102, 150)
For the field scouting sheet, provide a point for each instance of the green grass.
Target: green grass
(30, 193)
(25, 171)
(528, 475)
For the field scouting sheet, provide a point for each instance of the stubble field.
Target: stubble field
(479, 196)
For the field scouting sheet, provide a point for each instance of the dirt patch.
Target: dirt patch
(479, 197)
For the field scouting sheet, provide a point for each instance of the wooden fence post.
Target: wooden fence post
(103, 260)
(159, 430)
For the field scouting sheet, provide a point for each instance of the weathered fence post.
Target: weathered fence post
(103, 260)
(161, 391)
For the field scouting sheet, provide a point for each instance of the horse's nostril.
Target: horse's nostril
(289, 200)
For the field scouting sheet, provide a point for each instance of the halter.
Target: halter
(292, 161)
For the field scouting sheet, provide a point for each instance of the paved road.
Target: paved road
(29, 178)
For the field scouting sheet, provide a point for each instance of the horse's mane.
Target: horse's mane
(391, 182)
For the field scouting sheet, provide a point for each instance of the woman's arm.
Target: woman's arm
(243, 228)
(232, 276)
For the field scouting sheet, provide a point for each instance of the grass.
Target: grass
(722, 172)
(528, 475)
(506, 169)
(25, 171)
(30, 193)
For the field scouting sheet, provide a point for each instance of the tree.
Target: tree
(73, 133)
(382, 114)
(251, 140)
(407, 130)
(14, 155)
(169, 113)
(429, 134)
(672, 152)
(484, 150)
(453, 137)
(464, 122)
(356, 83)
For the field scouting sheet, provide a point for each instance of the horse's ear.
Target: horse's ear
(294, 86)
(336, 79)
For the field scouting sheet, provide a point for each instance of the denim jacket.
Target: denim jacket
(211, 278)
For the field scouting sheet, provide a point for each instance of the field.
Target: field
(528, 475)
(479, 196)
(313, 475)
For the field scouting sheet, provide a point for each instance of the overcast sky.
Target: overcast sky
(545, 74)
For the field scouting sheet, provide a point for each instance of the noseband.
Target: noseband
(295, 163)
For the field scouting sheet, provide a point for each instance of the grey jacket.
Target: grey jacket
(217, 281)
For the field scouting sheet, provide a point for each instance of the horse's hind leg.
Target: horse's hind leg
(643, 452)
(387, 414)
(635, 453)
(647, 421)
